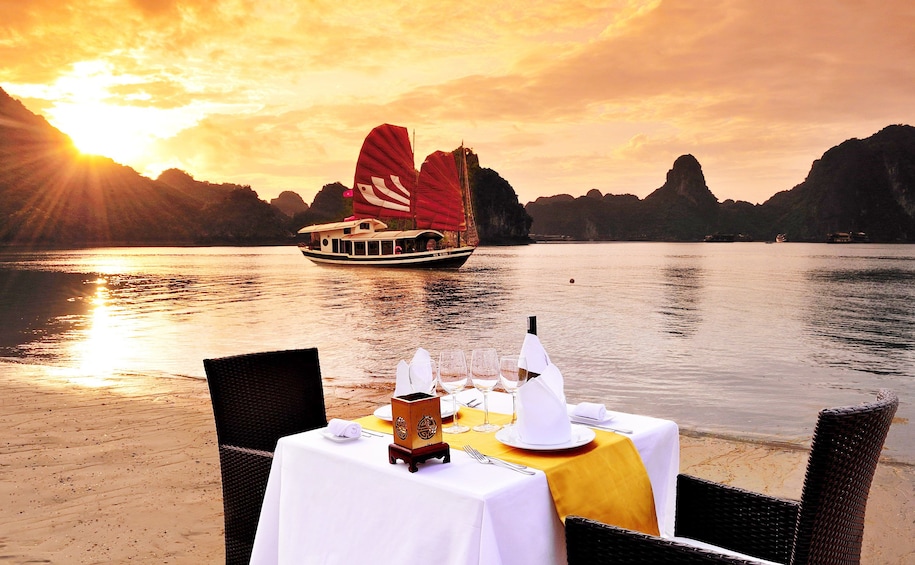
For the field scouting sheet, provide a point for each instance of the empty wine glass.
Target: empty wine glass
(452, 376)
(484, 371)
(512, 376)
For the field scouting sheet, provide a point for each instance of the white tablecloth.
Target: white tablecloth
(343, 502)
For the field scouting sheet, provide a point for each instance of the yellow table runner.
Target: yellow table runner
(604, 480)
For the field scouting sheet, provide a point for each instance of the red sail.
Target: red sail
(439, 201)
(385, 177)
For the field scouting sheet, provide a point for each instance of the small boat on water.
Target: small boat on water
(847, 237)
(436, 202)
(720, 238)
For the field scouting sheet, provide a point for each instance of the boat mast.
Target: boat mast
(415, 182)
(472, 237)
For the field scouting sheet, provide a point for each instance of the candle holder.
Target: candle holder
(417, 420)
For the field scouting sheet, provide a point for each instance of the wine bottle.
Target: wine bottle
(531, 329)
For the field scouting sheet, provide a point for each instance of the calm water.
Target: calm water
(746, 337)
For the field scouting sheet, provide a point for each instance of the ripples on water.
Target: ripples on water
(748, 338)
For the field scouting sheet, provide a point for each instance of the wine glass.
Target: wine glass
(512, 376)
(484, 371)
(452, 376)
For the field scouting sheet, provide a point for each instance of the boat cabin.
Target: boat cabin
(361, 238)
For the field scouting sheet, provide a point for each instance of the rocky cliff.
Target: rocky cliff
(859, 186)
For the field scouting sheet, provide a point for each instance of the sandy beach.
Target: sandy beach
(128, 471)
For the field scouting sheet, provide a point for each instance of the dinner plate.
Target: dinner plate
(384, 412)
(338, 439)
(581, 435)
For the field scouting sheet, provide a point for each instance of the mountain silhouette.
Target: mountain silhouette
(51, 194)
(858, 186)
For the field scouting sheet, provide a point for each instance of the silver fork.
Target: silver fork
(493, 461)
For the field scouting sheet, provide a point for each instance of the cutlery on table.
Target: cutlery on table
(598, 425)
(493, 461)
(371, 433)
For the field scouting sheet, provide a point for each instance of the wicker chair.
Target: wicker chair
(824, 527)
(257, 399)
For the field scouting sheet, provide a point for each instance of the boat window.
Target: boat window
(373, 248)
(387, 247)
(359, 247)
(336, 245)
(324, 242)
(364, 226)
(347, 231)
(348, 247)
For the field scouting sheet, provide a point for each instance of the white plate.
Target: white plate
(339, 439)
(581, 435)
(384, 412)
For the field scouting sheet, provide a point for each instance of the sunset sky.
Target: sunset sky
(556, 96)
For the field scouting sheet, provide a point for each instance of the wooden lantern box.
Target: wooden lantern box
(417, 421)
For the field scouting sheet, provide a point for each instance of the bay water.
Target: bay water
(749, 339)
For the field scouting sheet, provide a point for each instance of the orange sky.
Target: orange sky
(557, 96)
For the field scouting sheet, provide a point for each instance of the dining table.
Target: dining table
(340, 500)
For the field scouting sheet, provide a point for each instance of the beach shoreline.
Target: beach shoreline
(121, 469)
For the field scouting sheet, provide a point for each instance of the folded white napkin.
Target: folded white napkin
(533, 356)
(344, 428)
(402, 384)
(542, 413)
(591, 411)
(422, 372)
(416, 376)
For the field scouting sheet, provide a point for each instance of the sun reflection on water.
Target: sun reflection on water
(106, 344)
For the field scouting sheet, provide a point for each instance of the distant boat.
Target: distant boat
(355, 242)
(386, 186)
(720, 238)
(847, 237)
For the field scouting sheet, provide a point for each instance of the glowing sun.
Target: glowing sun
(119, 132)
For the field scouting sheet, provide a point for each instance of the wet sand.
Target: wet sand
(108, 471)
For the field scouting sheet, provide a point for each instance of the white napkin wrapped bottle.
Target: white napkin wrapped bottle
(543, 417)
(533, 356)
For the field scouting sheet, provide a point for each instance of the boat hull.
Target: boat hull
(452, 258)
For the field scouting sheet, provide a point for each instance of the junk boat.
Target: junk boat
(435, 201)
(356, 242)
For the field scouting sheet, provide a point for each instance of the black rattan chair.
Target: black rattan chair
(257, 399)
(825, 527)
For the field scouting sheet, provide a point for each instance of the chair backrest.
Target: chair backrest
(257, 399)
(843, 458)
(261, 397)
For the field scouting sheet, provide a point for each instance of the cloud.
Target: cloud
(556, 96)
